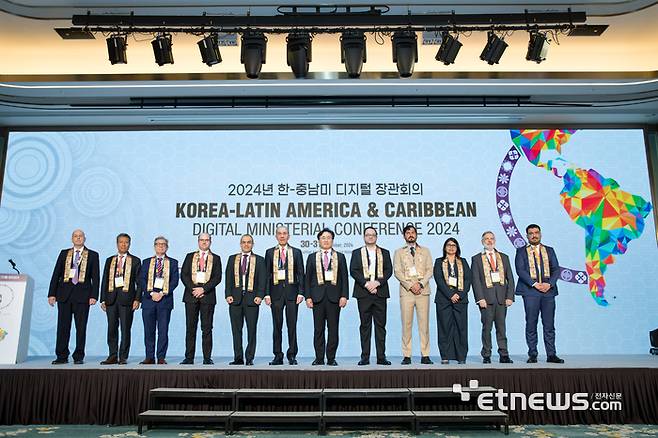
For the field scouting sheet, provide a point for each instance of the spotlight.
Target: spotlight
(494, 49)
(537, 47)
(209, 48)
(299, 53)
(353, 52)
(162, 49)
(448, 49)
(653, 338)
(116, 49)
(252, 53)
(405, 51)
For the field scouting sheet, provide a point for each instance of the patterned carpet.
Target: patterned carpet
(548, 431)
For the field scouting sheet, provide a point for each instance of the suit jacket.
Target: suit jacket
(524, 286)
(110, 294)
(283, 288)
(327, 290)
(497, 293)
(356, 271)
(78, 293)
(402, 261)
(167, 301)
(235, 290)
(209, 295)
(445, 292)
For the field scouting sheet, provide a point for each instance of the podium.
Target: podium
(15, 315)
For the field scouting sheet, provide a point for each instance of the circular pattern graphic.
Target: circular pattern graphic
(12, 224)
(507, 220)
(36, 234)
(37, 347)
(6, 296)
(82, 145)
(44, 317)
(97, 192)
(37, 171)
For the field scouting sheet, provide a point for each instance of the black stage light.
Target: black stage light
(405, 51)
(162, 49)
(353, 52)
(209, 48)
(299, 53)
(448, 49)
(537, 47)
(653, 338)
(252, 53)
(116, 49)
(494, 49)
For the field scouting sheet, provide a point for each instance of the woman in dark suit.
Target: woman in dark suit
(453, 281)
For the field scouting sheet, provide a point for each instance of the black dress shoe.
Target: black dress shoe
(277, 361)
(111, 360)
(445, 361)
(78, 362)
(318, 362)
(147, 361)
(426, 360)
(237, 362)
(208, 362)
(332, 363)
(406, 361)
(292, 361)
(123, 362)
(461, 362)
(532, 359)
(383, 362)
(554, 359)
(505, 359)
(59, 361)
(364, 362)
(187, 361)
(249, 362)
(486, 360)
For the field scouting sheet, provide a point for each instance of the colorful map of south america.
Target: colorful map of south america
(610, 216)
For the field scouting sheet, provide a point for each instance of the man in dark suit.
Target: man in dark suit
(370, 267)
(538, 271)
(246, 279)
(327, 290)
(120, 297)
(74, 287)
(158, 279)
(493, 287)
(201, 273)
(284, 291)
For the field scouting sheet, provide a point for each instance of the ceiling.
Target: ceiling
(47, 81)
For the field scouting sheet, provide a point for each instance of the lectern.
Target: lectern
(15, 316)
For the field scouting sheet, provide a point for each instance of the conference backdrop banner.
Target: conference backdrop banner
(588, 189)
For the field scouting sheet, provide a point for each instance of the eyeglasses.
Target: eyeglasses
(451, 244)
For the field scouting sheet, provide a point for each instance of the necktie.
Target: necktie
(158, 267)
(120, 266)
(413, 251)
(282, 255)
(326, 260)
(76, 263)
(492, 262)
(538, 263)
(243, 265)
(202, 262)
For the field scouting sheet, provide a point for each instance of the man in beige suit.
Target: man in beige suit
(412, 266)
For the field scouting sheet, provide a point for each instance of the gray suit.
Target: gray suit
(495, 297)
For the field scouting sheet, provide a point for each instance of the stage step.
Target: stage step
(154, 416)
(366, 417)
(158, 395)
(274, 417)
(497, 418)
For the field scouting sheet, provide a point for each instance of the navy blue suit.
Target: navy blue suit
(157, 314)
(536, 302)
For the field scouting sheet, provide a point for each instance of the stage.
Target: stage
(36, 392)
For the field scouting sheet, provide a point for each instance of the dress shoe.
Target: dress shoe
(383, 362)
(364, 362)
(318, 362)
(78, 362)
(445, 361)
(332, 363)
(208, 362)
(162, 362)
(59, 361)
(187, 361)
(292, 361)
(532, 359)
(426, 360)
(486, 360)
(237, 362)
(505, 359)
(111, 360)
(461, 362)
(554, 359)
(249, 362)
(406, 361)
(277, 361)
(147, 361)
(123, 362)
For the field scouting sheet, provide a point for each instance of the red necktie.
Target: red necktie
(202, 262)
(120, 265)
(326, 261)
(283, 255)
(492, 262)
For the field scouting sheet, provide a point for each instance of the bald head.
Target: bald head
(78, 238)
